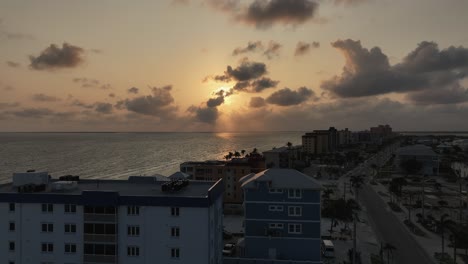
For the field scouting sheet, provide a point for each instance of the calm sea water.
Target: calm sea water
(119, 155)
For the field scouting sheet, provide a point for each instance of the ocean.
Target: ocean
(119, 155)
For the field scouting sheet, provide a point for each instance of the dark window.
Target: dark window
(70, 208)
(175, 253)
(12, 226)
(175, 231)
(11, 246)
(88, 249)
(133, 251)
(70, 248)
(99, 249)
(47, 247)
(70, 228)
(133, 230)
(47, 208)
(133, 210)
(47, 227)
(12, 207)
(175, 211)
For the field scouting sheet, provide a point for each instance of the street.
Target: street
(390, 230)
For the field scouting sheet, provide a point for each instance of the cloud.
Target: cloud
(81, 104)
(214, 102)
(12, 64)
(32, 112)
(265, 13)
(257, 102)
(92, 83)
(251, 47)
(133, 90)
(112, 95)
(303, 48)
(104, 108)
(40, 97)
(9, 105)
(264, 83)
(426, 75)
(272, 50)
(159, 104)
(207, 115)
(288, 97)
(54, 57)
(246, 71)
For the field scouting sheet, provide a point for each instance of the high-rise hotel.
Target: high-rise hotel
(139, 220)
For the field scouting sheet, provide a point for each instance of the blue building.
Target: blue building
(282, 216)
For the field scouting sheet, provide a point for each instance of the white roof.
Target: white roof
(416, 150)
(282, 178)
(179, 176)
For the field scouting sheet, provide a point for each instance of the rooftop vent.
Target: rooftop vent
(174, 186)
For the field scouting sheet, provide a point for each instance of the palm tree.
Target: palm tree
(243, 152)
(237, 154)
(289, 144)
(356, 182)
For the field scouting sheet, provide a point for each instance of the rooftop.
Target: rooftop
(134, 186)
(282, 178)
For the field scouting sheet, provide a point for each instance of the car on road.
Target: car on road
(229, 249)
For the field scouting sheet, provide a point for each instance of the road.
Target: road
(390, 230)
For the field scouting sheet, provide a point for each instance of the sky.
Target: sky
(233, 65)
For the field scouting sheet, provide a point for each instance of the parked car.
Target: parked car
(229, 249)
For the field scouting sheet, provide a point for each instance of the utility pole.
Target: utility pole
(354, 239)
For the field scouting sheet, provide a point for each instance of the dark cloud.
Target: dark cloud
(112, 95)
(262, 84)
(207, 115)
(427, 74)
(214, 102)
(133, 90)
(303, 48)
(265, 13)
(251, 47)
(40, 97)
(159, 104)
(246, 71)
(104, 108)
(13, 64)
(368, 72)
(272, 50)
(81, 104)
(288, 97)
(32, 113)
(257, 102)
(54, 57)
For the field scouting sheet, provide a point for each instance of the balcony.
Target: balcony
(100, 218)
(100, 238)
(99, 259)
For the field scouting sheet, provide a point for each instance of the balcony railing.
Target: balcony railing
(99, 259)
(100, 217)
(100, 238)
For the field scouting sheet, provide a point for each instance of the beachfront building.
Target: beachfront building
(428, 159)
(139, 220)
(283, 157)
(321, 141)
(282, 217)
(228, 170)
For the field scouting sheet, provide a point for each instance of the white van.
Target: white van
(328, 249)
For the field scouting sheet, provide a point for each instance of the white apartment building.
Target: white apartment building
(139, 220)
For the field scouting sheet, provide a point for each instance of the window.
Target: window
(294, 193)
(175, 252)
(99, 249)
(133, 251)
(47, 247)
(275, 190)
(275, 225)
(70, 248)
(295, 228)
(133, 230)
(12, 226)
(70, 228)
(70, 208)
(11, 246)
(275, 208)
(133, 210)
(294, 211)
(47, 227)
(47, 208)
(11, 207)
(175, 231)
(100, 229)
(175, 211)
